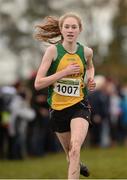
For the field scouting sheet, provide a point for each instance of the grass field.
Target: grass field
(103, 163)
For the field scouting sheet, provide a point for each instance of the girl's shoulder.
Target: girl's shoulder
(51, 51)
(88, 51)
(51, 47)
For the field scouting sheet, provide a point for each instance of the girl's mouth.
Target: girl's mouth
(70, 35)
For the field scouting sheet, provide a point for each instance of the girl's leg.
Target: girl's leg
(79, 128)
(64, 139)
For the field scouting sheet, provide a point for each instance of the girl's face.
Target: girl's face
(70, 29)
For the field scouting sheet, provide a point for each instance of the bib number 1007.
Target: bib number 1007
(67, 90)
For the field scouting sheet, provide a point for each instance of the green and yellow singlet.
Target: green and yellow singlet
(70, 89)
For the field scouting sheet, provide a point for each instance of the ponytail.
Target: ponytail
(48, 30)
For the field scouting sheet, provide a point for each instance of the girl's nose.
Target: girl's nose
(70, 29)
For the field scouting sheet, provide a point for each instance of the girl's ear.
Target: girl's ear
(60, 29)
(80, 29)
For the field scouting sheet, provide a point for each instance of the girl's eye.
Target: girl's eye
(66, 26)
(74, 27)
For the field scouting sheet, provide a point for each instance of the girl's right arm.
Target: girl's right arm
(41, 80)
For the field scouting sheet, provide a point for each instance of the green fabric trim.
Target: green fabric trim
(50, 92)
(60, 53)
(85, 91)
(81, 54)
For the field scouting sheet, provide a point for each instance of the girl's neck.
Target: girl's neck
(70, 47)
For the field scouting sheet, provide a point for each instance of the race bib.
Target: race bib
(68, 87)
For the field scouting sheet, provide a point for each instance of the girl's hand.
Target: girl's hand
(73, 68)
(91, 84)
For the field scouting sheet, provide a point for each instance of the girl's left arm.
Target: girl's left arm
(90, 71)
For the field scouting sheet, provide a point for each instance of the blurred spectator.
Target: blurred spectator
(21, 114)
(40, 138)
(115, 113)
(124, 114)
(6, 95)
(99, 101)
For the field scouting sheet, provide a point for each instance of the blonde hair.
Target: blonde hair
(51, 26)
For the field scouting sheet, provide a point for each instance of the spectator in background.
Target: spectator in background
(115, 113)
(21, 114)
(40, 138)
(6, 95)
(99, 101)
(124, 113)
(3, 129)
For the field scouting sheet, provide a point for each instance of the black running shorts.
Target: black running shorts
(60, 119)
